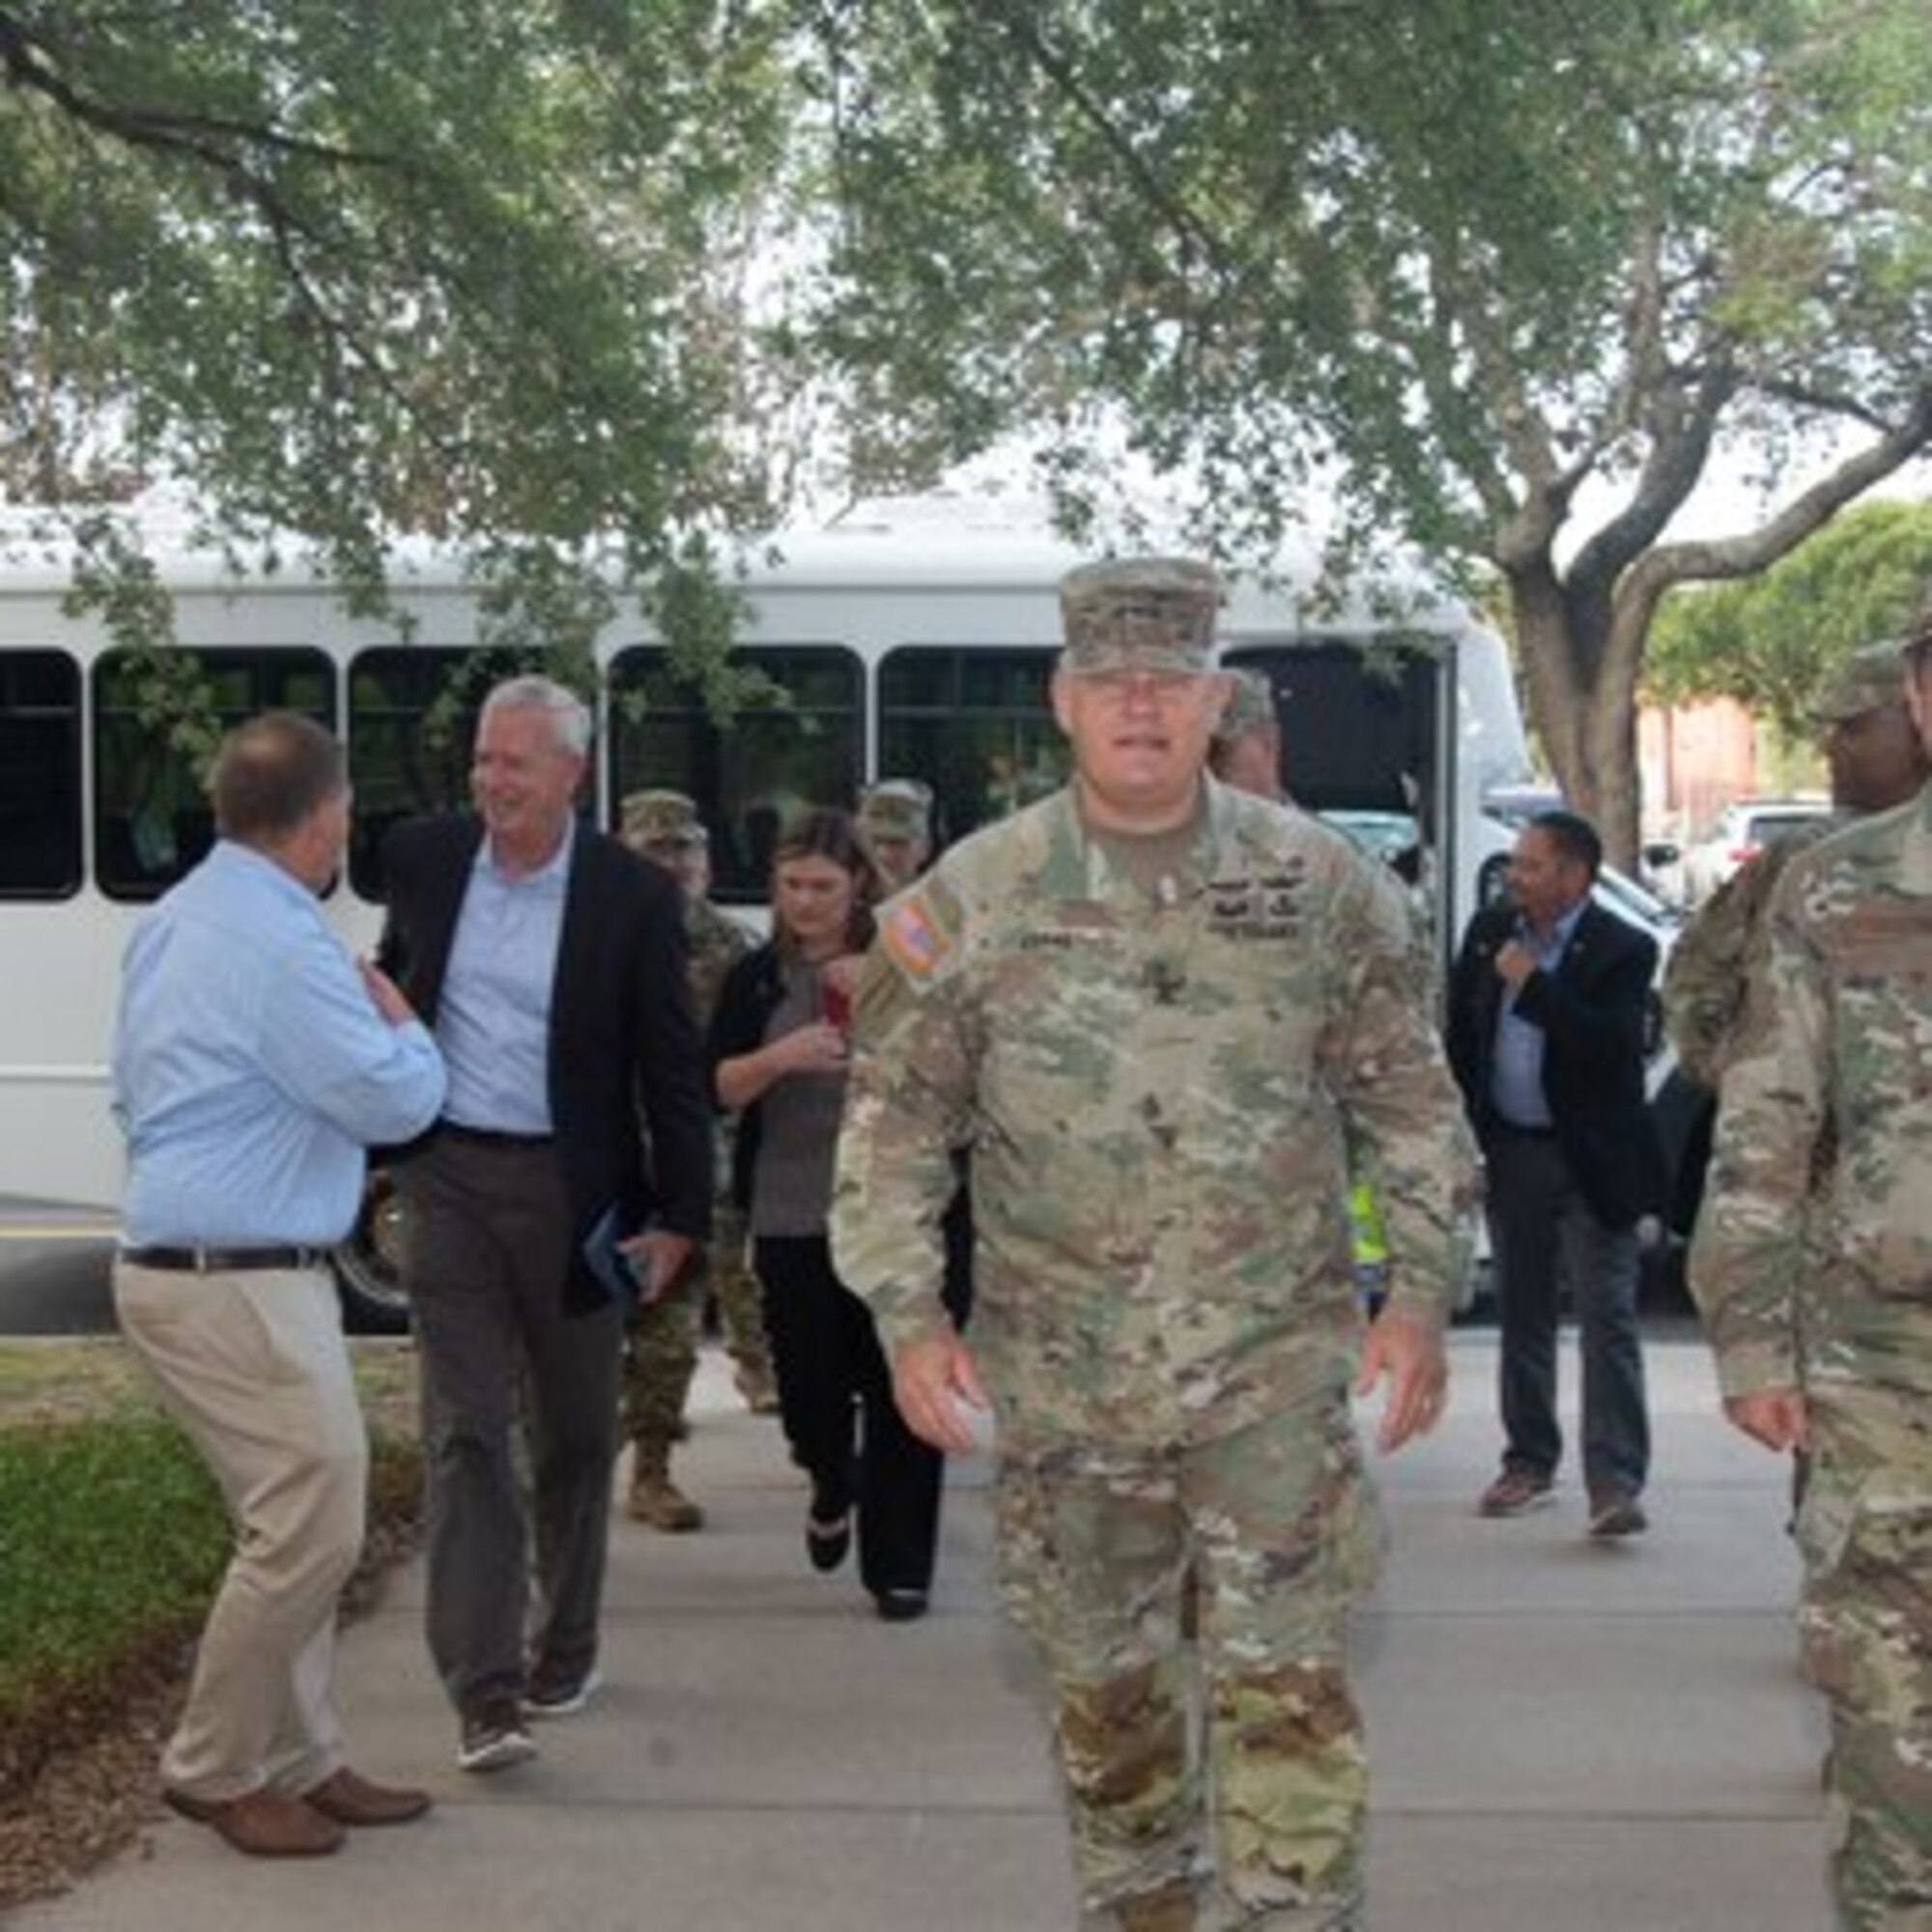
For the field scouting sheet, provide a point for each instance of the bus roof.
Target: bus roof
(939, 542)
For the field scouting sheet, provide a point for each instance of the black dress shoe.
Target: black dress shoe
(826, 1542)
(900, 1607)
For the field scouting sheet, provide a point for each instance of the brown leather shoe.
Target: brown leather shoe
(264, 1824)
(351, 1798)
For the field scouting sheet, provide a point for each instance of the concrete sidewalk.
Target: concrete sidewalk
(1566, 1737)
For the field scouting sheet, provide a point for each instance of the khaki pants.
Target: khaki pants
(253, 1367)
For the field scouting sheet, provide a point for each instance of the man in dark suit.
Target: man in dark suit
(1545, 1036)
(550, 963)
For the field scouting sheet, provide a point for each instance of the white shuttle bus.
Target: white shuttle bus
(916, 644)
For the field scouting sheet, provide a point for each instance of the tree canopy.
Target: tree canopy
(465, 269)
(572, 280)
(1772, 640)
(1500, 281)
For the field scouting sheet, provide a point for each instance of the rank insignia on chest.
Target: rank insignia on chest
(1251, 909)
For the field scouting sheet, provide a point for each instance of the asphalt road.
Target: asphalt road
(53, 1271)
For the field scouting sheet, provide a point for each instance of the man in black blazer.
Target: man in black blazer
(550, 963)
(1545, 1036)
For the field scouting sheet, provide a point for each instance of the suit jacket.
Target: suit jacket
(1591, 1011)
(626, 1061)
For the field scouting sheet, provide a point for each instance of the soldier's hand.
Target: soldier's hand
(1409, 1355)
(1776, 1418)
(934, 1382)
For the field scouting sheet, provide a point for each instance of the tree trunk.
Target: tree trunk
(1580, 673)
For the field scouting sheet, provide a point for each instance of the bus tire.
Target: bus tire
(368, 1264)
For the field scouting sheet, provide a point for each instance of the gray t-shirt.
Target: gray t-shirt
(797, 1124)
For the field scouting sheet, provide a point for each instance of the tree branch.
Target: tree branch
(1747, 555)
(1680, 447)
(1188, 226)
(23, 61)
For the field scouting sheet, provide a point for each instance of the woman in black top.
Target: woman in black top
(778, 1054)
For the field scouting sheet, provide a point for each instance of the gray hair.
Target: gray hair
(569, 715)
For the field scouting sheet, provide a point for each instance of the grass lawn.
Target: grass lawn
(112, 1538)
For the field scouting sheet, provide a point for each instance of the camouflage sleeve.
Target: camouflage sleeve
(908, 1104)
(1745, 1257)
(1399, 1104)
(1700, 982)
(1716, 959)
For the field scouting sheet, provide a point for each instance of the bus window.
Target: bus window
(152, 820)
(39, 775)
(976, 724)
(748, 777)
(398, 765)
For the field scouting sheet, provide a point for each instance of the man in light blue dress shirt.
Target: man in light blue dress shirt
(253, 1063)
(550, 961)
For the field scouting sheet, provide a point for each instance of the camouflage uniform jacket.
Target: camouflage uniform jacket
(717, 942)
(1721, 955)
(1155, 1089)
(1840, 1042)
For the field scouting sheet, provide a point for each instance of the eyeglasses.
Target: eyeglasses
(1163, 688)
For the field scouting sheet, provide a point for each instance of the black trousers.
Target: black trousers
(836, 1400)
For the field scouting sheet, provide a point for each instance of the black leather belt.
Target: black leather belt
(491, 1137)
(225, 1261)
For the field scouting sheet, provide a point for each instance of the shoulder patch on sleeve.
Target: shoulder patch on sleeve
(913, 935)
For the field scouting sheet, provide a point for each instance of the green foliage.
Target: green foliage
(1466, 269)
(1466, 248)
(578, 284)
(110, 1534)
(352, 271)
(113, 1536)
(1770, 643)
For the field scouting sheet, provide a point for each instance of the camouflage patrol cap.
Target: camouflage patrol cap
(1866, 680)
(662, 819)
(897, 808)
(1250, 706)
(1152, 613)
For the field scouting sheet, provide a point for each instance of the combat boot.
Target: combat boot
(759, 1392)
(655, 1499)
(1163, 1912)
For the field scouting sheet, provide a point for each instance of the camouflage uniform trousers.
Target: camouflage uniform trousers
(1865, 1529)
(1256, 1728)
(741, 1301)
(660, 1348)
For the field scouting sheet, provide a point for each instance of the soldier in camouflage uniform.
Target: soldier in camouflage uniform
(1826, 1344)
(1150, 1005)
(1876, 762)
(1245, 750)
(661, 1351)
(895, 820)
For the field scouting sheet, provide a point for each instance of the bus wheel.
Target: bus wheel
(368, 1264)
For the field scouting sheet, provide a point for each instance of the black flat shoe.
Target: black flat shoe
(826, 1542)
(900, 1607)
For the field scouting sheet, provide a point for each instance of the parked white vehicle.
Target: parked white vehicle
(913, 638)
(1743, 829)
